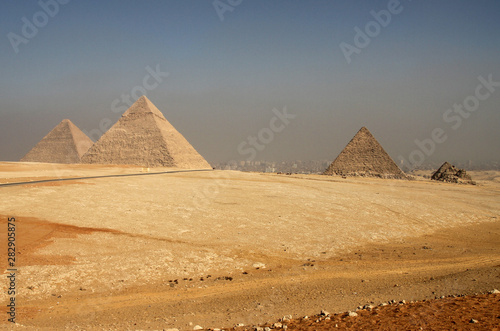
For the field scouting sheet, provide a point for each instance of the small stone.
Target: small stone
(286, 318)
(238, 325)
(353, 314)
(258, 328)
(305, 317)
(197, 327)
(277, 325)
(267, 328)
(324, 313)
(259, 265)
(473, 321)
(495, 291)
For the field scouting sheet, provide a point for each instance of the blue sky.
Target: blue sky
(226, 76)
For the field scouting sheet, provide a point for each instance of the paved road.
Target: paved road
(104, 176)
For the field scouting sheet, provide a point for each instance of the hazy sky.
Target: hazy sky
(397, 68)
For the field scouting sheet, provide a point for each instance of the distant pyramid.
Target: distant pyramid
(451, 174)
(143, 137)
(364, 156)
(66, 143)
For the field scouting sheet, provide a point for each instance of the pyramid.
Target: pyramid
(364, 156)
(66, 143)
(451, 174)
(143, 137)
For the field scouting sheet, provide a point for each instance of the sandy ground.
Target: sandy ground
(219, 248)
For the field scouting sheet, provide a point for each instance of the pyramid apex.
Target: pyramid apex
(142, 98)
(65, 121)
(143, 106)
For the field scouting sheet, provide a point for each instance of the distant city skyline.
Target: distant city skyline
(240, 80)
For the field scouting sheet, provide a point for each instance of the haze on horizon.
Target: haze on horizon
(220, 75)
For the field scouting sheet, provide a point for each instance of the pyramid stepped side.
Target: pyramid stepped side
(66, 143)
(142, 136)
(363, 155)
(181, 151)
(451, 174)
(81, 140)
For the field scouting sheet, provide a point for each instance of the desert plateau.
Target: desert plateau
(127, 247)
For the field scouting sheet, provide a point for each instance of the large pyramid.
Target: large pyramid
(364, 156)
(142, 136)
(66, 143)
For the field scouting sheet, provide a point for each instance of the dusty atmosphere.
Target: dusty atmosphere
(179, 249)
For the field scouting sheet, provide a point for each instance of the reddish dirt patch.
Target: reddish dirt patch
(32, 234)
(479, 312)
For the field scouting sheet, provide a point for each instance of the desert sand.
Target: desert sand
(161, 249)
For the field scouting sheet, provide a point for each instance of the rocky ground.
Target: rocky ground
(476, 312)
(220, 248)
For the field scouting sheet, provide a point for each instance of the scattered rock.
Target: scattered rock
(277, 325)
(353, 314)
(239, 325)
(324, 313)
(451, 174)
(495, 291)
(473, 321)
(286, 318)
(197, 327)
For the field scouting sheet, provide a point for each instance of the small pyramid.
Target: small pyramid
(364, 156)
(66, 143)
(451, 174)
(143, 137)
